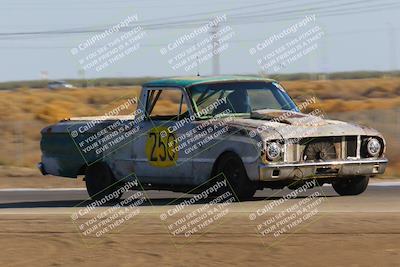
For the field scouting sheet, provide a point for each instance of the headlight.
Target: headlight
(373, 147)
(274, 151)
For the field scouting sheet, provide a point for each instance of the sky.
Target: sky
(37, 37)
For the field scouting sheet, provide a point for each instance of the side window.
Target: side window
(166, 104)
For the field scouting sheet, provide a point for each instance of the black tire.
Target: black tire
(351, 186)
(100, 182)
(234, 171)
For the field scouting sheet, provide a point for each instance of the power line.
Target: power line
(325, 13)
(327, 35)
(161, 21)
(240, 18)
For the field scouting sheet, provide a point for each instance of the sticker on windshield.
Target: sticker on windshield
(161, 147)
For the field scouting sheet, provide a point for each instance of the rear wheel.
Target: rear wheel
(351, 186)
(100, 182)
(234, 171)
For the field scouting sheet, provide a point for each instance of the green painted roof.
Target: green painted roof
(192, 80)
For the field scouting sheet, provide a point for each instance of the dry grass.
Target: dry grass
(51, 106)
(346, 89)
(24, 112)
(348, 95)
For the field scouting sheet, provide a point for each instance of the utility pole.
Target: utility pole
(81, 74)
(44, 75)
(392, 48)
(215, 51)
(324, 58)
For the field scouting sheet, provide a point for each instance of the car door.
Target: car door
(156, 154)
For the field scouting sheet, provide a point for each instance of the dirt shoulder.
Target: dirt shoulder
(334, 239)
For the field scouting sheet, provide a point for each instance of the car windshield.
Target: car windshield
(239, 98)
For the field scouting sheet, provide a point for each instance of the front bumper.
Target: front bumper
(322, 169)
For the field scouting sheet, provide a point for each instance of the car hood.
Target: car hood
(291, 124)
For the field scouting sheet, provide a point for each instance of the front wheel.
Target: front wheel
(231, 166)
(351, 186)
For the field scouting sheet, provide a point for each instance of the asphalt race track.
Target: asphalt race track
(379, 197)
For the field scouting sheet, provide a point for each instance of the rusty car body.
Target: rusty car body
(246, 128)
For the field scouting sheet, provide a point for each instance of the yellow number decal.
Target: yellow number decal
(161, 147)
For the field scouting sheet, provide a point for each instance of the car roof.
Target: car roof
(194, 80)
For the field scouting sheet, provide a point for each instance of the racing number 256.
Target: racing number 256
(161, 147)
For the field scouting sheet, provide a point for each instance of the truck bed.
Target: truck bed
(67, 149)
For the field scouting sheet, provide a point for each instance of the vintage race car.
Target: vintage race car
(187, 131)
